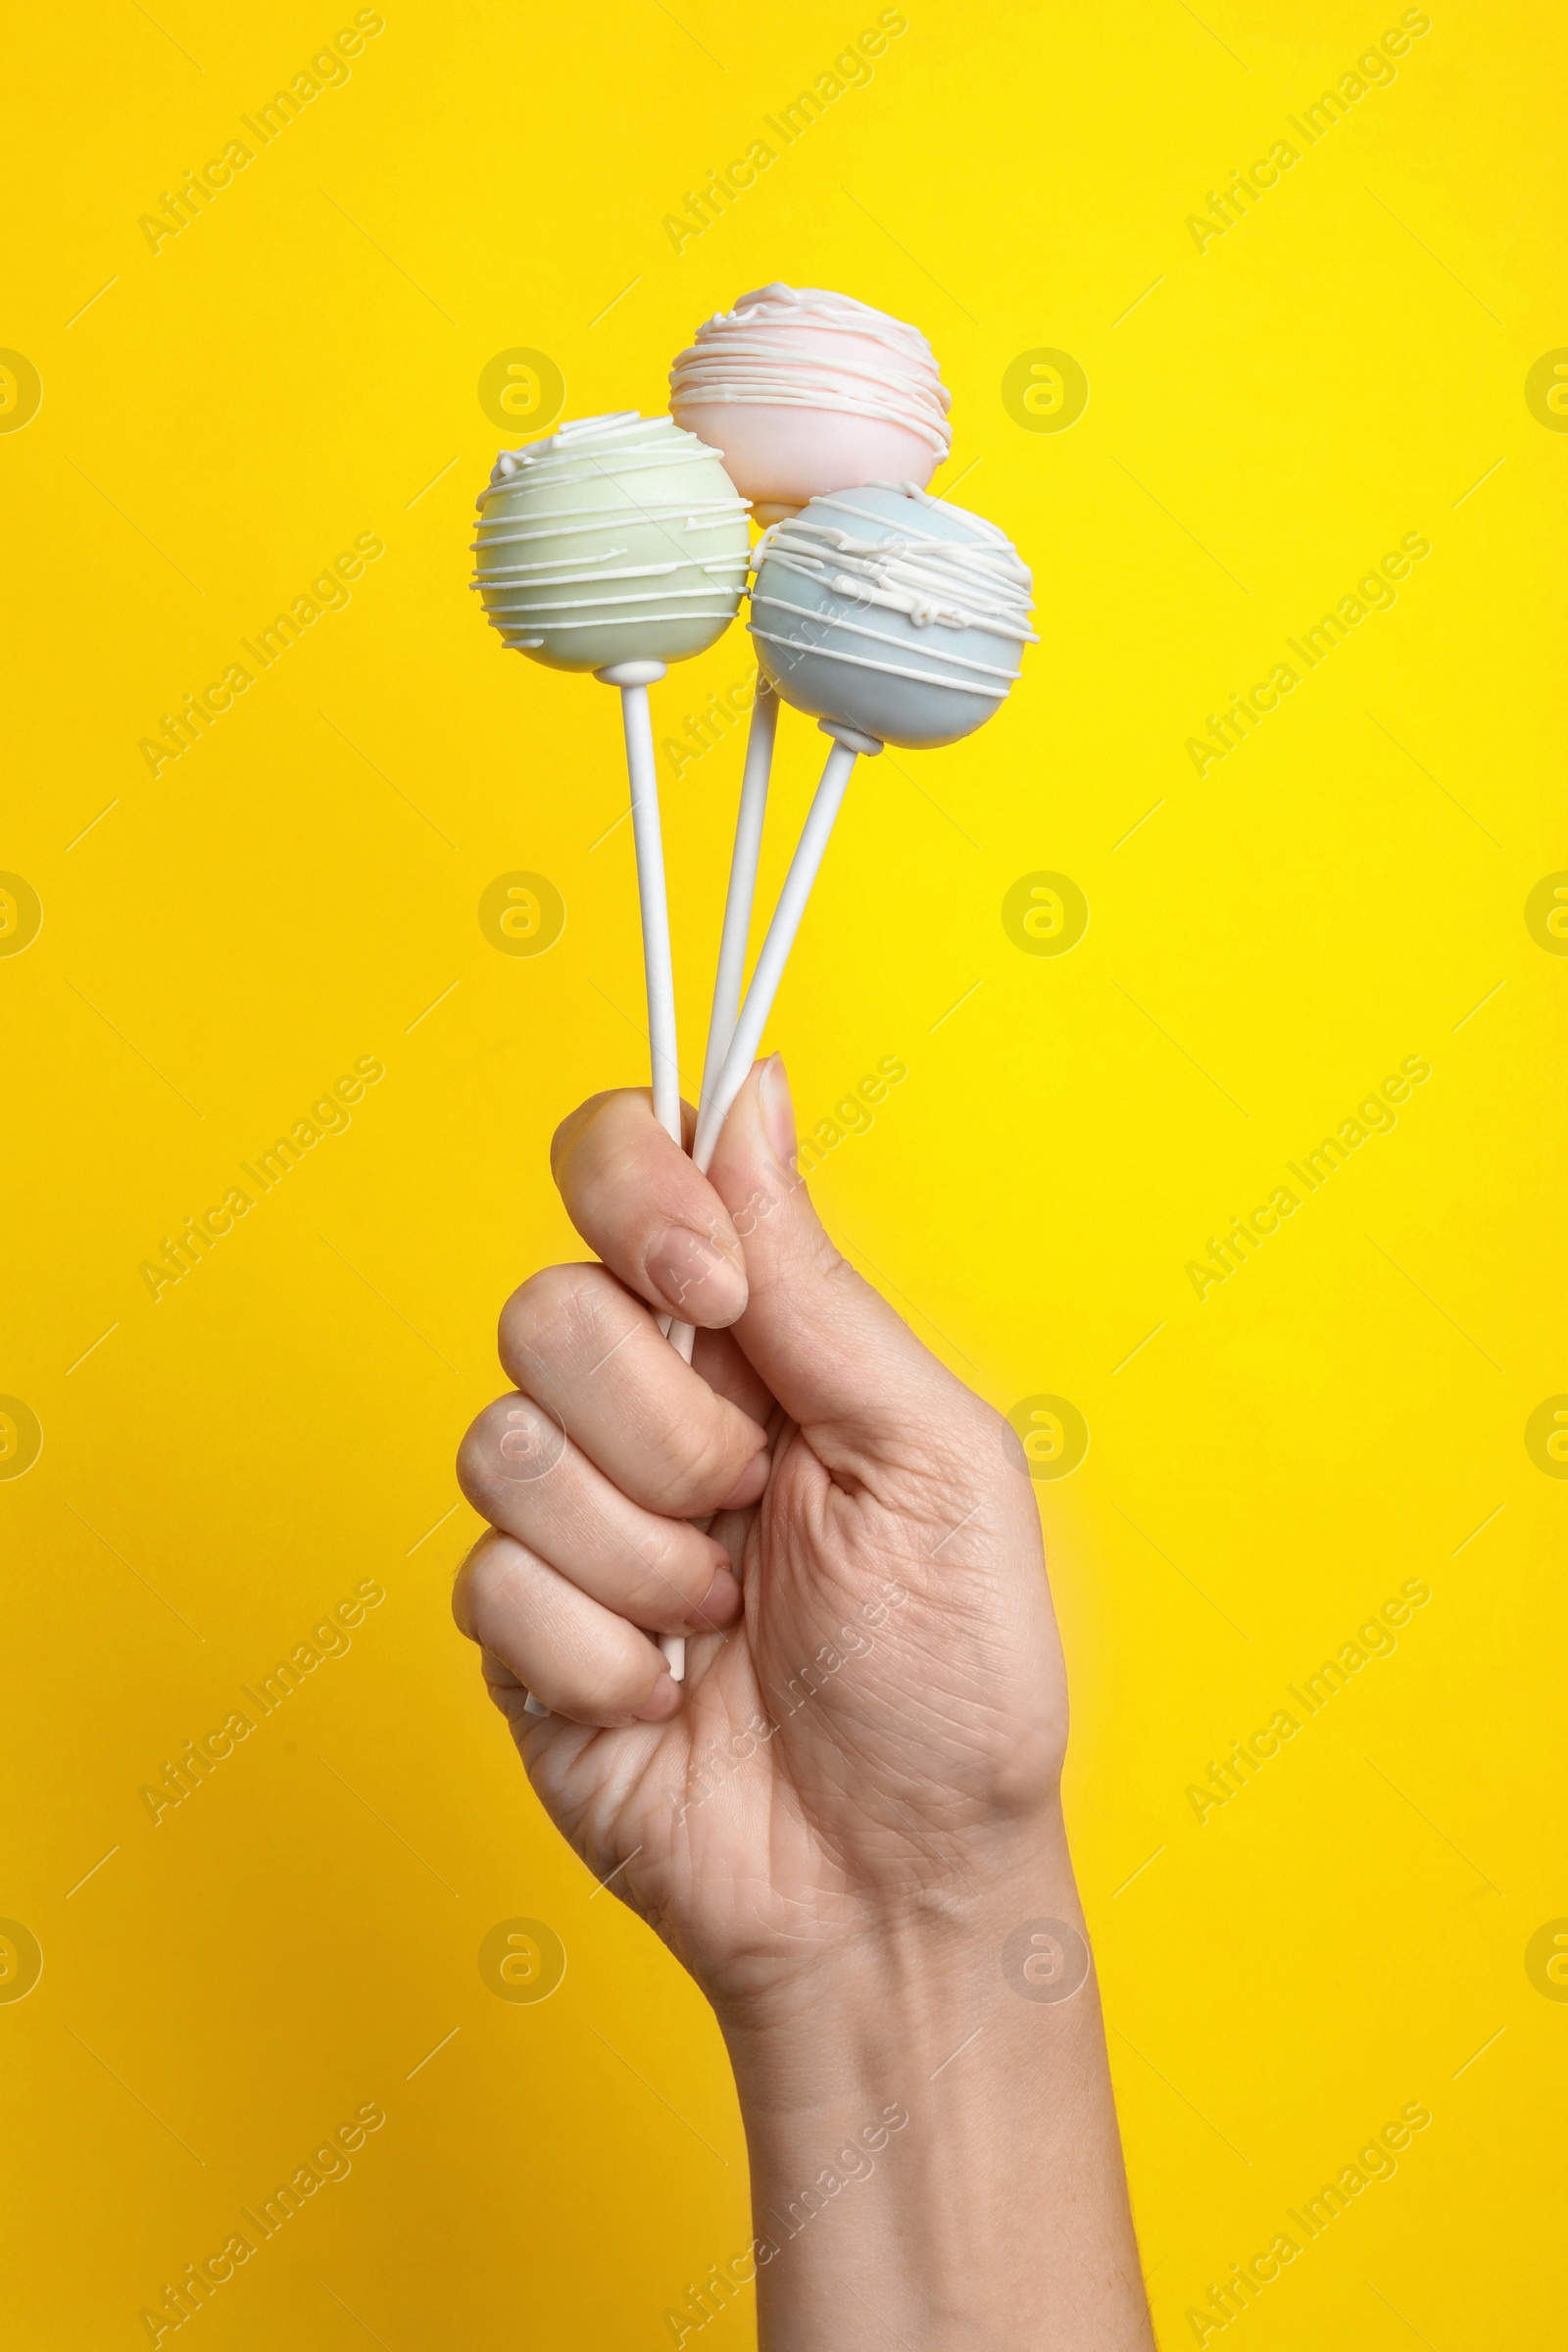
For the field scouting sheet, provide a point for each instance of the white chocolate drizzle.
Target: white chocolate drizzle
(936, 585)
(694, 583)
(751, 356)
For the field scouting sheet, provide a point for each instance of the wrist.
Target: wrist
(889, 1992)
(915, 2110)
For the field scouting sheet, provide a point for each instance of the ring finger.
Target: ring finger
(519, 1467)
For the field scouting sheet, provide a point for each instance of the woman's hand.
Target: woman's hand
(846, 1823)
(874, 1711)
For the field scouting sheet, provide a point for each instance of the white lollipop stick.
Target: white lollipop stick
(808, 854)
(659, 974)
(738, 902)
(634, 679)
(810, 850)
(742, 883)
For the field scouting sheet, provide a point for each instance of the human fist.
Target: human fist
(874, 1713)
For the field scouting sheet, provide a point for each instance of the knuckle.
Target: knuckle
(501, 1600)
(668, 1580)
(554, 1313)
(460, 1601)
(621, 1687)
(496, 1601)
(595, 1689)
(706, 1454)
(475, 1587)
(532, 1314)
(513, 1441)
(574, 1126)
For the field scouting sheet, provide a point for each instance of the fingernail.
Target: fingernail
(749, 1487)
(778, 1111)
(686, 1269)
(661, 1703)
(719, 1604)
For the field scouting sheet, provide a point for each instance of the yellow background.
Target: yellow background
(1266, 418)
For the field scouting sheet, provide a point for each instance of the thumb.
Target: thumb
(833, 1353)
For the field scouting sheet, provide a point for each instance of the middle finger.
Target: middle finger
(574, 1339)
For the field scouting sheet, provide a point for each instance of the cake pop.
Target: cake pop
(891, 616)
(801, 391)
(628, 508)
(618, 545)
(893, 612)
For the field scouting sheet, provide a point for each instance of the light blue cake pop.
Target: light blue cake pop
(892, 612)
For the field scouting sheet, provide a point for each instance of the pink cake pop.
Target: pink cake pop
(803, 391)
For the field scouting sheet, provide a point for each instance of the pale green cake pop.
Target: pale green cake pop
(619, 539)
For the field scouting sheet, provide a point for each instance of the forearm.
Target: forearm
(935, 2159)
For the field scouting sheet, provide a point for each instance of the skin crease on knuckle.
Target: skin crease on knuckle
(570, 1315)
(516, 1468)
(703, 1461)
(567, 1324)
(670, 1583)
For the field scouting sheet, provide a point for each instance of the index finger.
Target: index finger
(641, 1205)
